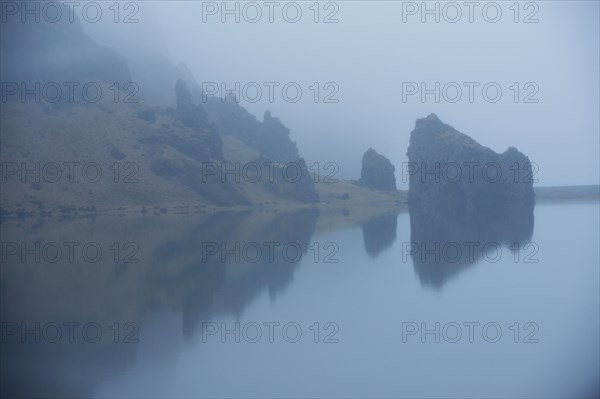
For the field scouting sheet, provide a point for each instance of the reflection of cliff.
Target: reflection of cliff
(174, 273)
(263, 264)
(379, 233)
(447, 236)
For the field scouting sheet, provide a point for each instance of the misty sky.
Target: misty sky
(370, 52)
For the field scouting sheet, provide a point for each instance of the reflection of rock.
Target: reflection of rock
(237, 282)
(173, 275)
(379, 233)
(448, 236)
(444, 162)
(377, 171)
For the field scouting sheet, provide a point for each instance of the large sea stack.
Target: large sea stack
(447, 164)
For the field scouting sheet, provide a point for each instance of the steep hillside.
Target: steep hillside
(68, 148)
(109, 155)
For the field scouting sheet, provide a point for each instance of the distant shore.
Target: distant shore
(338, 198)
(567, 193)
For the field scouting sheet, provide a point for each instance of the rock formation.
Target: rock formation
(377, 171)
(444, 163)
(270, 137)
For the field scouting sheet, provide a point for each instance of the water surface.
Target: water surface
(340, 310)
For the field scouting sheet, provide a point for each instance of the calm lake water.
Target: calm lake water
(387, 307)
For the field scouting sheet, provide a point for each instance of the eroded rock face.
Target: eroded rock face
(270, 137)
(445, 164)
(377, 171)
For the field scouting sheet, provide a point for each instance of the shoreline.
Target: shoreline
(371, 201)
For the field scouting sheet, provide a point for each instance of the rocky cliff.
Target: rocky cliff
(270, 137)
(445, 163)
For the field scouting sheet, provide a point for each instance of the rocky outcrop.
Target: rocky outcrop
(278, 153)
(270, 137)
(273, 140)
(377, 171)
(445, 164)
